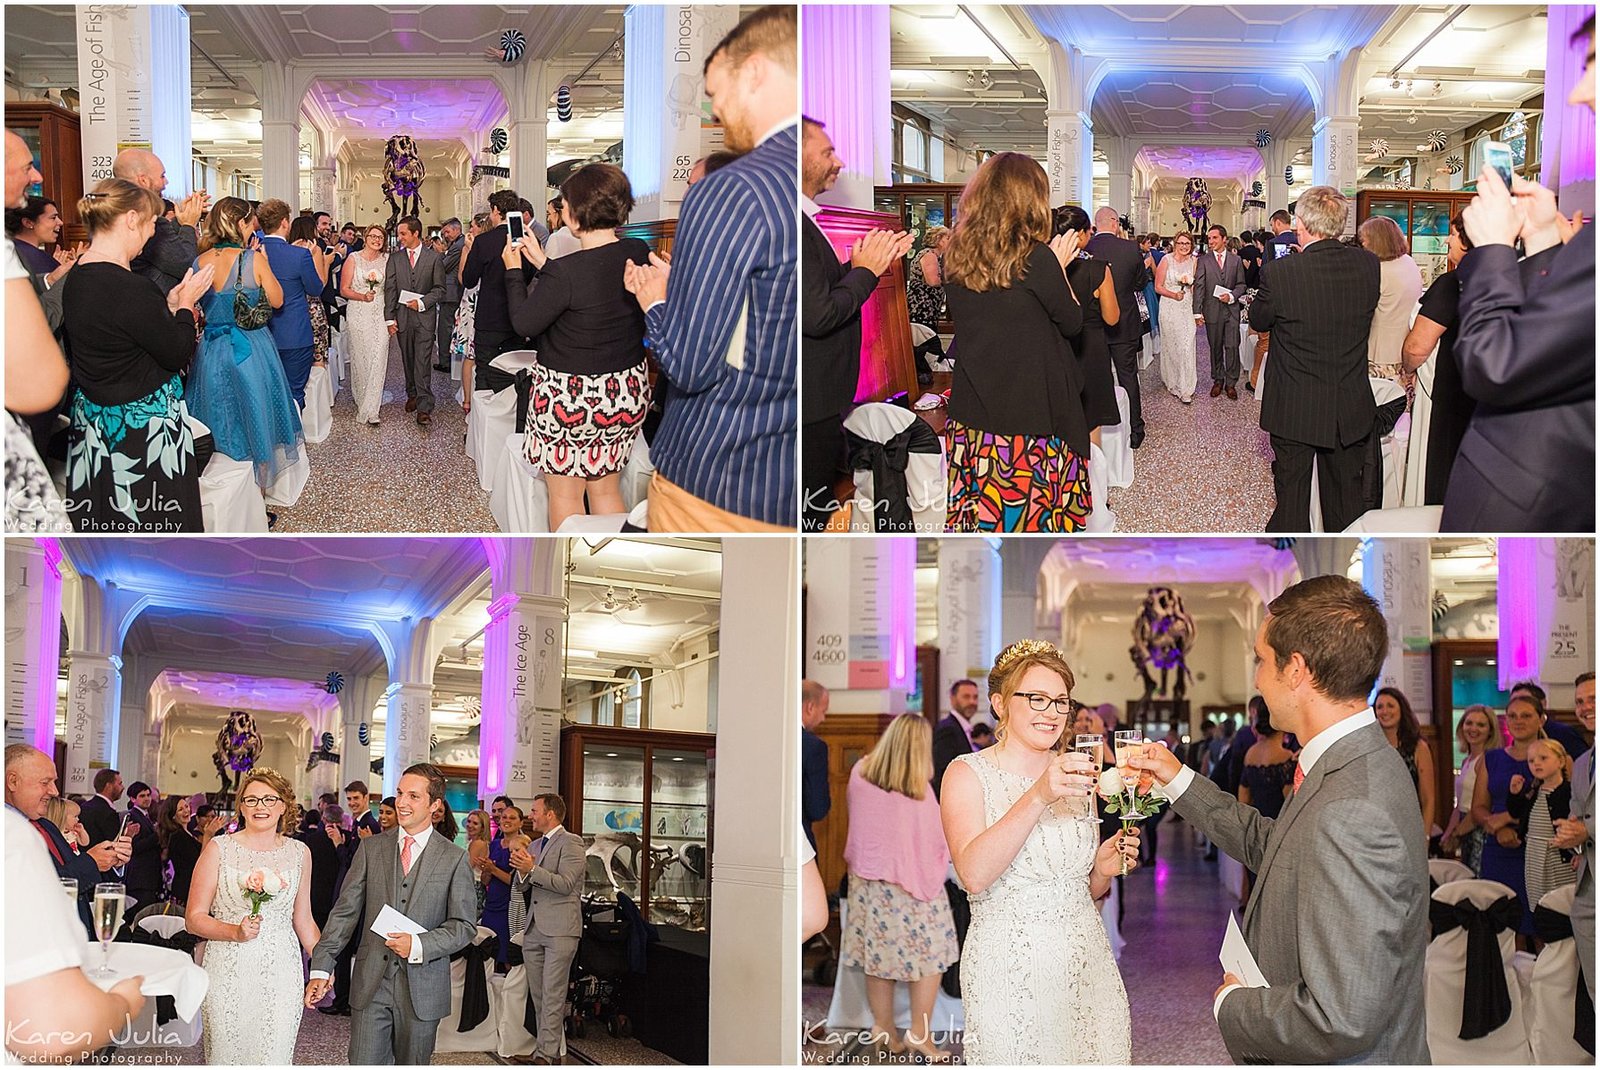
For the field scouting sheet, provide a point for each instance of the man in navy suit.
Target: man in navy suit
(1316, 402)
(296, 271)
(1526, 351)
(952, 737)
(815, 798)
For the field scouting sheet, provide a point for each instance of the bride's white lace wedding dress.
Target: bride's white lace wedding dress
(1178, 330)
(253, 1008)
(1038, 982)
(369, 340)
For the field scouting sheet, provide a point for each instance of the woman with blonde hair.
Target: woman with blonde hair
(1017, 439)
(1476, 733)
(925, 279)
(251, 901)
(1399, 290)
(897, 925)
(479, 831)
(1038, 980)
(130, 456)
(238, 387)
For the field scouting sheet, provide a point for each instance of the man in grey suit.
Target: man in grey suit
(419, 269)
(1338, 919)
(1220, 314)
(448, 245)
(552, 866)
(1577, 831)
(401, 983)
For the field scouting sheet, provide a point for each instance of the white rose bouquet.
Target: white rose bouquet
(260, 885)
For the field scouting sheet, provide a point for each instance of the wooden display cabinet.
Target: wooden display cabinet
(52, 133)
(1424, 218)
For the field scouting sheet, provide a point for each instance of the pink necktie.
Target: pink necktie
(1219, 260)
(413, 255)
(405, 854)
(1299, 777)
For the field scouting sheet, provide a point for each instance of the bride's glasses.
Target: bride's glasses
(1040, 703)
(260, 800)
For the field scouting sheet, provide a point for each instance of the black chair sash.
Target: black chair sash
(1552, 926)
(887, 461)
(475, 990)
(1485, 999)
(523, 384)
(184, 943)
(1388, 414)
(493, 379)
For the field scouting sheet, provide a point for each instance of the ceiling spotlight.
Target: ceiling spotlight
(1394, 83)
(1438, 88)
(985, 80)
(1412, 118)
(972, 79)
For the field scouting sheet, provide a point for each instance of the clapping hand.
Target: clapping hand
(647, 282)
(522, 861)
(65, 260)
(1570, 833)
(877, 249)
(363, 832)
(188, 291)
(1065, 247)
(190, 208)
(1517, 784)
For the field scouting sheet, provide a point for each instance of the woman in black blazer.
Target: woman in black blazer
(1017, 439)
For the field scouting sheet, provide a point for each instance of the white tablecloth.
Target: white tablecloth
(166, 973)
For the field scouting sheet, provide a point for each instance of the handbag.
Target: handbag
(247, 316)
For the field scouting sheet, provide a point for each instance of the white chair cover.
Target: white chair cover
(1552, 989)
(1421, 518)
(920, 333)
(1101, 519)
(286, 489)
(1421, 421)
(636, 474)
(492, 420)
(316, 418)
(1115, 443)
(1147, 351)
(230, 500)
(638, 516)
(1444, 870)
(485, 1036)
(925, 472)
(1392, 449)
(1446, 972)
(519, 500)
(145, 1030)
(339, 357)
(165, 925)
(849, 1010)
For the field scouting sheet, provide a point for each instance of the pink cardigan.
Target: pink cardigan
(896, 838)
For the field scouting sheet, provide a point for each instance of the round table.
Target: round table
(166, 972)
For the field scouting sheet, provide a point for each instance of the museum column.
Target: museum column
(1119, 159)
(523, 670)
(969, 612)
(356, 702)
(1398, 574)
(1545, 592)
(96, 616)
(1335, 158)
(1020, 561)
(755, 983)
(666, 117)
(1568, 129)
(528, 96)
(133, 88)
(324, 188)
(280, 133)
(845, 86)
(33, 641)
(1069, 131)
(410, 648)
(861, 617)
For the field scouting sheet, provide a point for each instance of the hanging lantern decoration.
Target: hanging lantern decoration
(334, 683)
(1453, 164)
(1288, 175)
(1437, 139)
(1255, 188)
(1263, 138)
(1380, 148)
(363, 734)
(498, 140)
(564, 104)
(512, 44)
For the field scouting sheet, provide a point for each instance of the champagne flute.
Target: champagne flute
(70, 886)
(109, 903)
(1129, 745)
(1093, 747)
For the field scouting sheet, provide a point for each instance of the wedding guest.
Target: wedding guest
(816, 799)
(830, 311)
(1400, 728)
(444, 822)
(1537, 802)
(1562, 733)
(388, 817)
(30, 791)
(1013, 822)
(449, 244)
(551, 869)
(724, 451)
(303, 233)
(1095, 292)
(1503, 848)
(1435, 327)
(925, 280)
(359, 801)
(484, 263)
(1250, 256)
(239, 387)
(462, 350)
(1267, 777)
(1153, 256)
(1128, 273)
(591, 385)
(130, 465)
(1399, 290)
(179, 846)
(54, 1012)
(1318, 408)
(142, 875)
(325, 869)
(710, 164)
(168, 251)
(101, 819)
(1583, 708)
(32, 227)
(953, 734)
(479, 829)
(301, 279)
(1017, 439)
(898, 926)
(1476, 733)
(562, 240)
(1577, 832)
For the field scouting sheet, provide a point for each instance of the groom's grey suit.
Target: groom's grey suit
(1338, 919)
(397, 1004)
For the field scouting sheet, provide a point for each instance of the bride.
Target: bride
(1174, 275)
(253, 1007)
(1038, 982)
(362, 286)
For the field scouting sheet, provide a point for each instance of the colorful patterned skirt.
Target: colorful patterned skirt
(1014, 482)
(890, 933)
(131, 467)
(585, 425)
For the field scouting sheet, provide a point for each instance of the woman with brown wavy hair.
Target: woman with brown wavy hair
(251, 900)
(1017, 440)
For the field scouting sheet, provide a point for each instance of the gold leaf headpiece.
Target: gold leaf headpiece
(1025, 648)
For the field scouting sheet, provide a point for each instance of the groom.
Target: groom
(1220, 314)
(1338, 919)
(419, 269)
(401, 987)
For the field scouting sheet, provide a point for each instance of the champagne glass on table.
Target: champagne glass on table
(109, 902)
(1093, 747)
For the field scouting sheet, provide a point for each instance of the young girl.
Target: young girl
(1536, 803)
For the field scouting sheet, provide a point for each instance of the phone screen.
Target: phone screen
(1497, 154)
(514, 226)
(1281, 251)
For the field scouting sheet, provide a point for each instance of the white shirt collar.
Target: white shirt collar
(783, 124)
(1314, 748)
(551, 834)
(420, 837)
(275, 237)
(809, 206)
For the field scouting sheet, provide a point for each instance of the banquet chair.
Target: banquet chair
(1391, 451)
(1442, 871)
(1116, 444)
(230, 500)
(316, 416)
(518, 498)
(636, 474)
(339, 358)
(493, 418)
(1447, 975)
(484, 1036)
(636, 519)
(1418, 518)
(291, 482)
(876, 432)
(1101, 519)
(1558, 999)
(163, 929)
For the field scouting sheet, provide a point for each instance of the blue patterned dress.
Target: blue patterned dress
(237, 386)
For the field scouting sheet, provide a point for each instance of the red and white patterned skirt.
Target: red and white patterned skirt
(585, 425)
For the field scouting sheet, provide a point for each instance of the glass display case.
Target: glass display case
(52, 136)
(641, 800)
(1423, 217)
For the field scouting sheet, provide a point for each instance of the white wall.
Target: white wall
(694, 686)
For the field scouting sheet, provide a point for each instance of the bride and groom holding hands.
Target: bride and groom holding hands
(1338, 917)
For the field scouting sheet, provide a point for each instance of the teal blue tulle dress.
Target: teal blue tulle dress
(237, 386)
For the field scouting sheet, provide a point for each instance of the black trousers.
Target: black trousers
(1338, 484)
(1125, 358)
(821, 462)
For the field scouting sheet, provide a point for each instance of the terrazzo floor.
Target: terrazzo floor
(1174, 916)
(1205, 466)
(396, 477)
